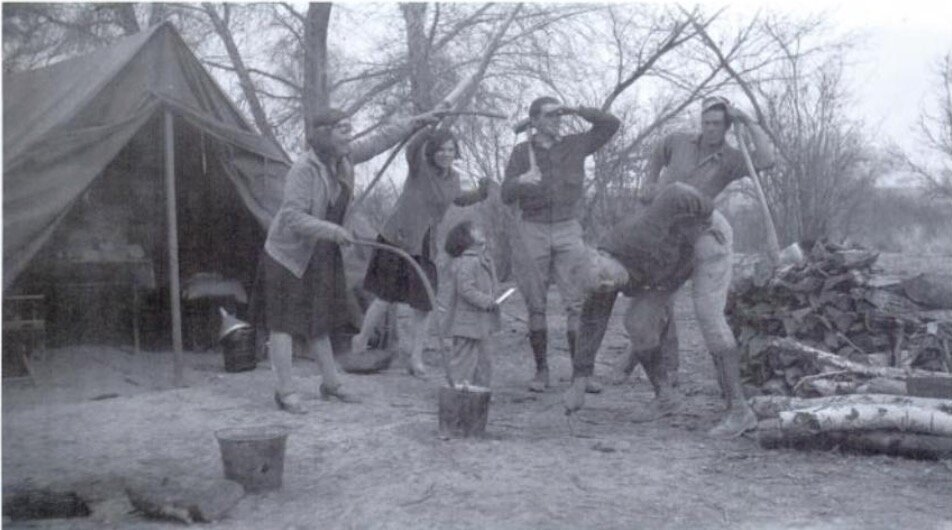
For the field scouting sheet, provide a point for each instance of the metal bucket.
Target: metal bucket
(253, 456)
(463, 410)
(238, 347)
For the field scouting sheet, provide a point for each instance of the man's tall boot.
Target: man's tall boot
(719, 375)
(739, 417)
(592, 386)
(538, 340)
(669, 349)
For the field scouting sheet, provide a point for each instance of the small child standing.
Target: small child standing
(472, 314)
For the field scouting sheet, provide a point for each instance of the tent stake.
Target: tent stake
(171, 214)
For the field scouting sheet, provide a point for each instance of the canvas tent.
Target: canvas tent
(141, 113)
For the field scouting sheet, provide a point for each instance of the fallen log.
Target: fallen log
(918, 446)
(932, 386)
(821, 385)
(826, 360)
(770, 407)
(867, 417)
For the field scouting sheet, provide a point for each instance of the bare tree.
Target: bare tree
(825, 157)
(316, 90)
(935, 135)
(221, 23)
(36, 35)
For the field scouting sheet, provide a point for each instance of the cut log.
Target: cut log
(825, 360)
(919, 446)
(769, 407)
(880, 385)
(867, 417)
(930, 386)
(463, 410)
(933, 290)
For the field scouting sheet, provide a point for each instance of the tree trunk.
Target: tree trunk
(920, 446)
(158, 13)
(770, 407)
(316, 94)
(126, 17)
(244, 78)
(418, 57)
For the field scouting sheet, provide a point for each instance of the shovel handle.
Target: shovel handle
(773, 245)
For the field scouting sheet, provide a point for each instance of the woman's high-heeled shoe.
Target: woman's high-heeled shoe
(290, 402)
(327, 393)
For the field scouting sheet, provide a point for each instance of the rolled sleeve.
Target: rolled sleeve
(604, 126)
(517, 165)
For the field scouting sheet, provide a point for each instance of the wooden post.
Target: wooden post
(172, 219)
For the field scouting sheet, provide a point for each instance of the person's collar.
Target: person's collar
(327, 161)
(536, 138)
(698, 140)
(715, 154)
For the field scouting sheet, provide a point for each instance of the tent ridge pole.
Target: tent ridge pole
(172, 222)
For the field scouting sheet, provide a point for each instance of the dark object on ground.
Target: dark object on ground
(44, 503)
(366, 362)
(202, 501)
(238, 348)
(464, 410)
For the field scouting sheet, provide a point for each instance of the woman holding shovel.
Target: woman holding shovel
(432, 184)
(305, 294)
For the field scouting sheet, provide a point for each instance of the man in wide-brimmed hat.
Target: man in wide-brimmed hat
(545, 178)
(706, 163)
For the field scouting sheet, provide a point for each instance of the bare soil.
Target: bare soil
(99, 416)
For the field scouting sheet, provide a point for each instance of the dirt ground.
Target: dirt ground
(99, 416)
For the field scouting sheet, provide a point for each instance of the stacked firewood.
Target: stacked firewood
(838, 352)
(836, 301)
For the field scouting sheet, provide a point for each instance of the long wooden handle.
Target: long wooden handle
(430, 293)
(773, 244)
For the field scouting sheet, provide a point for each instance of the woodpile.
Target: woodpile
(838, 351)
(834, 301)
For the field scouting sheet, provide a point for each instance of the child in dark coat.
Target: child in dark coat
(473, 314)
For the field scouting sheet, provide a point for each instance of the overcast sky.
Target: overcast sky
(894, 74)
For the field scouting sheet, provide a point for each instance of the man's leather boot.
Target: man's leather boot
(592, 386)
(538, 340)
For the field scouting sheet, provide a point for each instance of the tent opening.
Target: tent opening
(104, 270)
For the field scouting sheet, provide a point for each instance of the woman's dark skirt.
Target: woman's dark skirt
(312, 306)
(390, 278)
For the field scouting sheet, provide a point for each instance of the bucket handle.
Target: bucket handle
(430, 293)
